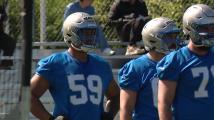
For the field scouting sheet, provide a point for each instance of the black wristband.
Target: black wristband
(51, 118)
(107, 116)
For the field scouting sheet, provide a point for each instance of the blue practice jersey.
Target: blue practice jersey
(77, 88)
(138, 75)
(194, 74)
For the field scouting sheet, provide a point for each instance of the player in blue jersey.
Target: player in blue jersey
(76, 79)
(187, 76)
(138, 94)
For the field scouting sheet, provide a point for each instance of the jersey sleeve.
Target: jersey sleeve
(128, 78)
(106, 67)
(167, 68)
(44, 69)
(108, 71)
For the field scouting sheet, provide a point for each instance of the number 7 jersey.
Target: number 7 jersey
(194, 74)
(77, 88)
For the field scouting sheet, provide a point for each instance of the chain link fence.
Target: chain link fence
(54, 10)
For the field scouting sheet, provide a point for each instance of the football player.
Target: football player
(138, 94)
(76, 79)
(187, 75)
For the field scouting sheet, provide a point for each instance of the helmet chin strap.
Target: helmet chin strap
(161, 51)
(156, 50)
(78, 49)
(204, 43)
(82, 49)
(149, 48)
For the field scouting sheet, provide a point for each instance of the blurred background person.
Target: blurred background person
(8, 44)
(129, 17)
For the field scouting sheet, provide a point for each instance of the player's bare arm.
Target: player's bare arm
(166, 94)
(127, 103)
(112, 96)
(38, 86)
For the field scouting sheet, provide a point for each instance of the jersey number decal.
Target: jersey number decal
(94, 85)
(196, 72)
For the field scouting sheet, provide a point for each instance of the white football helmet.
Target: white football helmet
(198, 24)
(160, 35)
(79, 31)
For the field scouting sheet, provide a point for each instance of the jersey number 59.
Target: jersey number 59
(96, 89)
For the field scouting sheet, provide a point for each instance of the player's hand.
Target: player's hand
(106, 115)
(107, 105)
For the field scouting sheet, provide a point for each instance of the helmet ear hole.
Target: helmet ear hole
(188, 30)
(68, 35)
(69, 42)
(152, 41)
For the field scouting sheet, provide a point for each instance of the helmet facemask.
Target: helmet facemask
(205, 34)
(168, 42)
(86, 39)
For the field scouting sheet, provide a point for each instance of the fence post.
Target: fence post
(42, 21)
